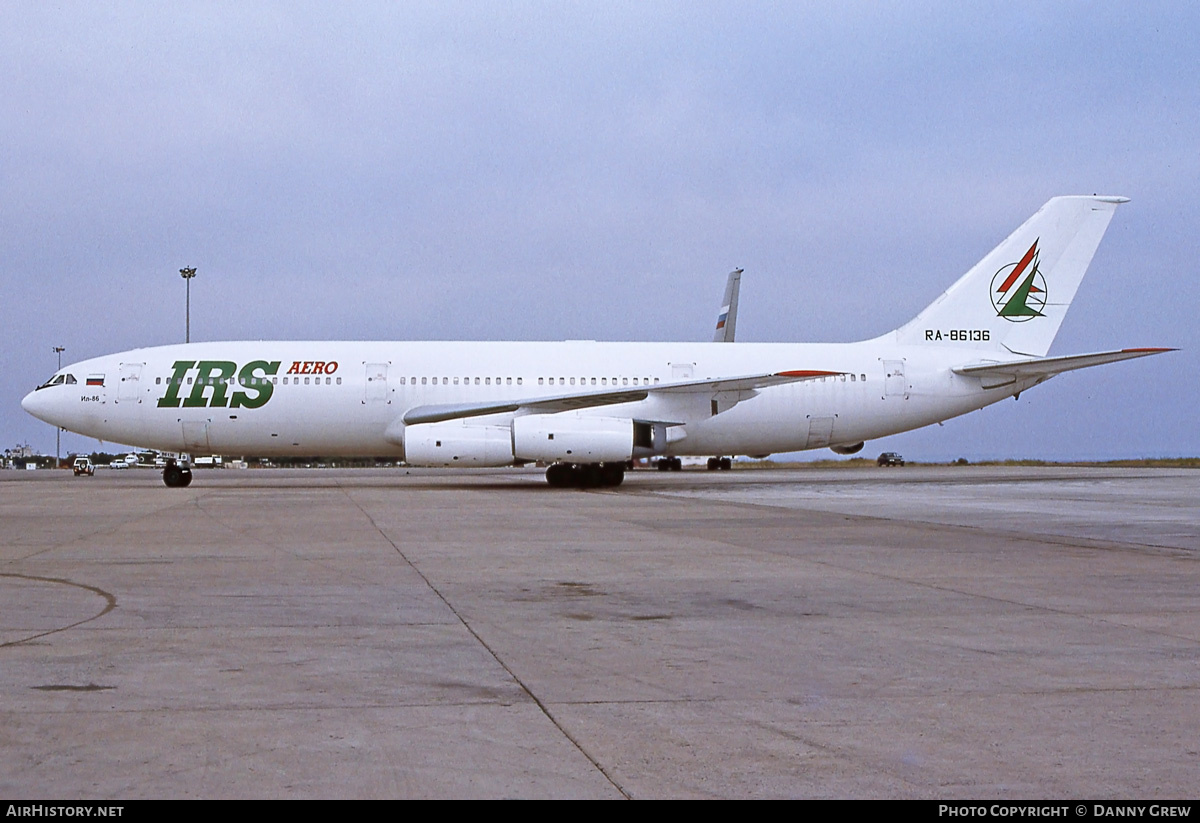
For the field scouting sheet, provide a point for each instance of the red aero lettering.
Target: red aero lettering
(313, 367)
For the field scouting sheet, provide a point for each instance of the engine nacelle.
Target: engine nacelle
(572, 439)
(456, 443)
(853, 448)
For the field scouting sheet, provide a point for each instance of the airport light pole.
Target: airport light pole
(57, 430)
(187, 274)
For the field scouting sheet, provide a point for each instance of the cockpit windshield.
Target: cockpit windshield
(59, 380)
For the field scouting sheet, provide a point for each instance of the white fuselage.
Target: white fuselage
(348, 398)
(588, 408)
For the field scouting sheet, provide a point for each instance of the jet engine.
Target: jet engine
(572, 439)
(455, 443)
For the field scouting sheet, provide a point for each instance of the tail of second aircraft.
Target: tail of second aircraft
(1015, 299)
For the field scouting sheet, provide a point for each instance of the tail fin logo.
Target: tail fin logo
(1018, 290)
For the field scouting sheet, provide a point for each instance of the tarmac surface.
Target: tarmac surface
(959, 632)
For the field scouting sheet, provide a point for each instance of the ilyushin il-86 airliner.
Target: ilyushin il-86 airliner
(588, 408)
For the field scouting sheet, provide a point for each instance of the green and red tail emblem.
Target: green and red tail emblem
(1018, 290)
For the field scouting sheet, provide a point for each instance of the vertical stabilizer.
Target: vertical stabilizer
(727, 316)
(1015, 299)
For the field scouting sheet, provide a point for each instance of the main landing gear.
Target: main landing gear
(720, 464)
(669, 464)
(585, 475)
(177, 476)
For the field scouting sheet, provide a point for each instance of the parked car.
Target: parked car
(83, 465)
(890, 459)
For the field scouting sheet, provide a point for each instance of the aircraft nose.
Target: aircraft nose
(36, 404)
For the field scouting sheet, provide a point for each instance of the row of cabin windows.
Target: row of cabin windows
(446, 381)
(250, 381)
(466, 381)
(571, 381)
(542, 381)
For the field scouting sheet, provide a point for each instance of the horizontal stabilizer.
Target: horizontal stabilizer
(1050, 366)
(584, 400)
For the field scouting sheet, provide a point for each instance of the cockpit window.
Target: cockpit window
(59, 380)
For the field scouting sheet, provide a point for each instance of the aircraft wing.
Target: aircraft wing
(583, 400)
(1045, 367)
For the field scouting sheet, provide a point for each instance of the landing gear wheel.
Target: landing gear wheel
(560, 476)
(726, 464)
(612, 474)
(585, 476)
(177, 477)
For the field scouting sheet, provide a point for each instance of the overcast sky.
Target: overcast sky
(558, 170)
